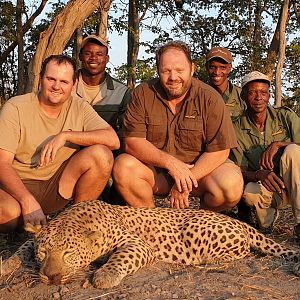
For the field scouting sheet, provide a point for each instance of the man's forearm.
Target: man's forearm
(107, 137)
(13, 185)
(147, 152)
(208, 162)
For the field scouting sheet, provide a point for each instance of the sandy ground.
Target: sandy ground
(255, 277)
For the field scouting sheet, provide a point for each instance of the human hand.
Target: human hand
(33, 213)
(179, 199)
(50, 149)
(182, 175)
(270, 181)
(266, 160)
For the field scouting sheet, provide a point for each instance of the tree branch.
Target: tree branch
(26, 27)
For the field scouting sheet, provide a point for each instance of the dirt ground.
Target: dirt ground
(255, 277)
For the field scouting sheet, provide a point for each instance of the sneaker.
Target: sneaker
(297, 230)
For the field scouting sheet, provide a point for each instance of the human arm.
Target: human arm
(206, 163)
(106, 137)
(266, 160)
(149, 154)
(268, 178)
(12, 184)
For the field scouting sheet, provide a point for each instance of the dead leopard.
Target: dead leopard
(136, 238)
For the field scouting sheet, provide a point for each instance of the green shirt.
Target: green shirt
(233, 101)
(282, 124)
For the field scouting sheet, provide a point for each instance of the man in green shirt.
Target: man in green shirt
(219, 66)
(268, 152)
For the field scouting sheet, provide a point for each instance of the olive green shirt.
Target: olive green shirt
(233, 101)
(282, 124)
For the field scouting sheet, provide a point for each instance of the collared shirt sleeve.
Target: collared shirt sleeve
(293, 122)
(220, 134)
(135, 116)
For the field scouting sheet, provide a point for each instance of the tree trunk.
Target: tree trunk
(133, 40)
(256, 48)
(20, 41)
(274, 46)
(103, 22)
(56, 37)
(281, 54)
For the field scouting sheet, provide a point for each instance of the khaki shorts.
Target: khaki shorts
(46, 191)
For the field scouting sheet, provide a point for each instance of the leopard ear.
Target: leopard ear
(34, 229)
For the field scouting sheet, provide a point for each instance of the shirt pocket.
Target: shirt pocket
(190, 134)
(156, 132)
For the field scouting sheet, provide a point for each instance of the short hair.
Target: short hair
(59, 59)
(179, 45)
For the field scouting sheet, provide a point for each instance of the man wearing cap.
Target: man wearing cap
(268, 152)
(108, 96)
(219, 66)
(178, 135)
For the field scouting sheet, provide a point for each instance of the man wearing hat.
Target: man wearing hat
(107, 95)
(268, 152)
(219, 66)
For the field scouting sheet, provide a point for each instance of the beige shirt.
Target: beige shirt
(25, 129)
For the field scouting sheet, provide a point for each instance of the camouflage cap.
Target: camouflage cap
(255, 76)
(219, 52)
(95, 38)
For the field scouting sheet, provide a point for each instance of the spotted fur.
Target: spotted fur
(135, 238)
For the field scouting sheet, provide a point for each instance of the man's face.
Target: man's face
(57, 83)
(94, 58)
(257, 96)
(218, 71)
(175, 73)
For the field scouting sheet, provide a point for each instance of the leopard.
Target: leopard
(133, 238)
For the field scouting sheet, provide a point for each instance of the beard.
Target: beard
(176, 89)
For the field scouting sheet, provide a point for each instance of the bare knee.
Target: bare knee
(100, 157)
(125, 168)
(224, 190)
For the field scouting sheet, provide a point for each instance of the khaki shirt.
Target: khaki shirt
(233, 101)
(282, 124)
(25, 129)
(202, 125)
(111, 101)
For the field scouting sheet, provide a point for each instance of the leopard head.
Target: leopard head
(63, 251)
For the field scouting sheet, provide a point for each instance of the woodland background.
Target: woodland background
(263, 35)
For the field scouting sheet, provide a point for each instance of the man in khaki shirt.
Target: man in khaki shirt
(178, 134)
(268, 152)
(42, 166)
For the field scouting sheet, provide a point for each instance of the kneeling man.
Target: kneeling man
(178, 135)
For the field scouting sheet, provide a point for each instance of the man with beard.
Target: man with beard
(268, 152)
(178, 135)
(219, 66)
(107, 95)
